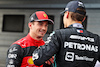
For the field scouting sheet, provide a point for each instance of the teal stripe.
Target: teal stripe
(54, 64)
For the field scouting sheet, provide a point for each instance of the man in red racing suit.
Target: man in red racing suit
(20, 52)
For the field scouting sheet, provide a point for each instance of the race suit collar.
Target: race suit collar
(78, 25)
(37, 42)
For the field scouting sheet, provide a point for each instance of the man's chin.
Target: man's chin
(40, 37)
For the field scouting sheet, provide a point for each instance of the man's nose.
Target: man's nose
(44, 27)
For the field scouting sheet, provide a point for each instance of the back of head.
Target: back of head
(77, 10)
(77, 16)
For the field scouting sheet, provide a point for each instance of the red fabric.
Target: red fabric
(41, 15)
(29, 41)
(25, 42)
(28, 62)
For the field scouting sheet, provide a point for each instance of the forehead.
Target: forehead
(41, 22)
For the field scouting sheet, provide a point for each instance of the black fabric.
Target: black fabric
(46, 65)
(74, 47)
(16, 53)
(34, 16)
(16, 56)
(80, 12)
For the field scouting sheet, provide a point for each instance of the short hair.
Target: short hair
(77, 16)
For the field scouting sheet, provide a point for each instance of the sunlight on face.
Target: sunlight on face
(65, 20)
(39, 28)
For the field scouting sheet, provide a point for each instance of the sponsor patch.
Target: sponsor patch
(82, 38)
(11, 61)
(35, 56)
(12, 49)
(30, 61)
(79, 31)
(10, 65)
(79, 46)
(12, 56)
(70, 56)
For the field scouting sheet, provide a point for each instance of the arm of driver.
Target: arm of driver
(44, 53)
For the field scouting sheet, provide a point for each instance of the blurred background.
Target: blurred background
(14, 17)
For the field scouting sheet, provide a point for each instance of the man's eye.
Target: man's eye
(46, 25)
(40, 24)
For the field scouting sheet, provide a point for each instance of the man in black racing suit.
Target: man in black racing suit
(73, 46)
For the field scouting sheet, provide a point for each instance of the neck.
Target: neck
(73, 22)
(77, 25)
(35, 37)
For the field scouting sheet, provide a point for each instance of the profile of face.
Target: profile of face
(65, 20)
(38, 29)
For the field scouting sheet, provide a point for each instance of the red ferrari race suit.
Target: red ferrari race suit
(20, 52)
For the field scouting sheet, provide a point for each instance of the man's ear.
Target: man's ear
(83, 19)
(67, 14)
(30, 25)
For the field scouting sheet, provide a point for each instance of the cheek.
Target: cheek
(46, 28)
(63, 18)
(34, 29)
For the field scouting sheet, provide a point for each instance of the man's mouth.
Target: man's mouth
(42, 31)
